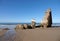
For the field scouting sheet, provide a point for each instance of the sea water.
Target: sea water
(13, 25)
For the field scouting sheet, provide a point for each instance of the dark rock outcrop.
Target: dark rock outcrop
(5, 29)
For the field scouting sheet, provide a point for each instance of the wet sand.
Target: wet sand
(38, 34)
(2, 32)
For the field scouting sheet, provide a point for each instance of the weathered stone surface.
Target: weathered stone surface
(25, 26)
(47, 20)
(33, 23)
(19, 26)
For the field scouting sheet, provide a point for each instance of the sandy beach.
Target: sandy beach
(37, 34)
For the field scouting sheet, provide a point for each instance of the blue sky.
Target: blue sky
(25, 10)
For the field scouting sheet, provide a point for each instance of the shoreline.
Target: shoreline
(37, 34)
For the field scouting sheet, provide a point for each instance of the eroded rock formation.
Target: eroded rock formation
(33, 23)
(47, 20)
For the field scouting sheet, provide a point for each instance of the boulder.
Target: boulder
(25, 26)
(19, 26)
(47, 20)
(5, 29)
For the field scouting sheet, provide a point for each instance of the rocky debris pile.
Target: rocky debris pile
(26, 26)
(23, 26)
